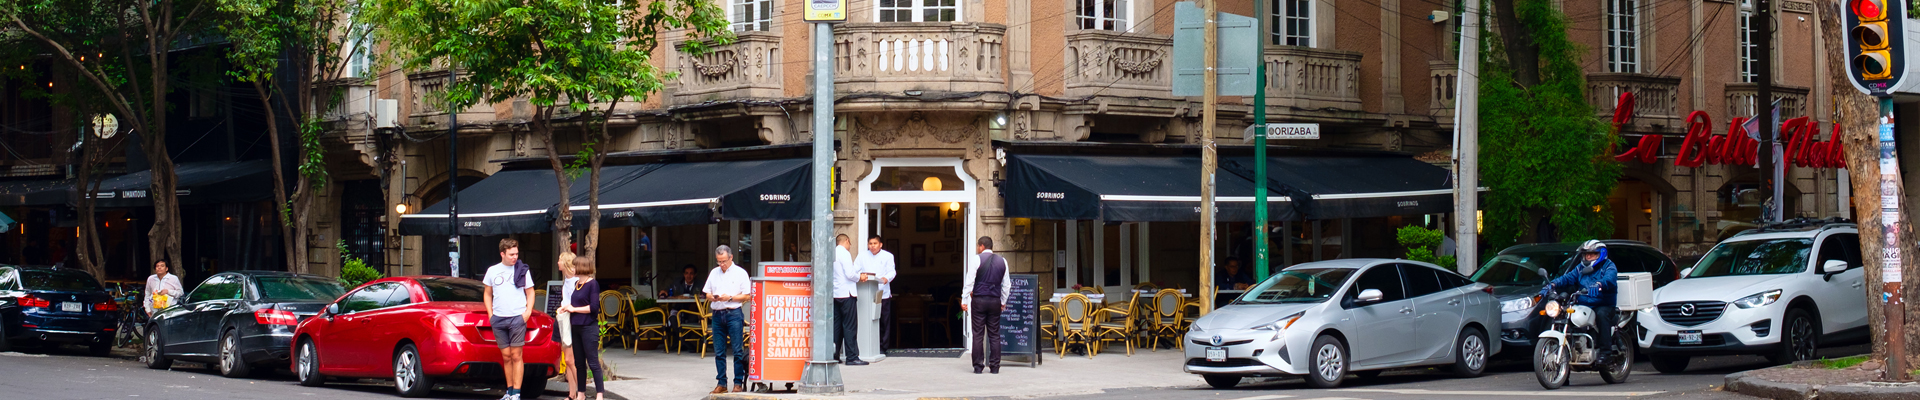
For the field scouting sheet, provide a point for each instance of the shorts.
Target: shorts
(509, 331)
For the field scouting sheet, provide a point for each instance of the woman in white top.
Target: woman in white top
(561, 329)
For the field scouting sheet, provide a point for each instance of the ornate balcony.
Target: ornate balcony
(1740, 96)
(936, 56)
(426, 109)
(748, 68)
(1309, 78)
(1118, 64)
(1656, 98)
(1444, 76)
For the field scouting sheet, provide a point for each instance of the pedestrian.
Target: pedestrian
(878, 266)
(727, 287)
(562, 330)
(583, 305)
(509, 291)
(987, 284)
(846, 278)
(163, 289)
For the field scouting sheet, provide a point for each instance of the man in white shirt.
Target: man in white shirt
(728, 286)
(161, 284)
(878, 265)
(845, 287)
(987, 287)
(509, 291)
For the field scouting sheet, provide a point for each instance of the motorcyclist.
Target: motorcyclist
(1594, 279)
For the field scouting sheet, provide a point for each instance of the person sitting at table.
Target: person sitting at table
(687, 286)
(1231, 277)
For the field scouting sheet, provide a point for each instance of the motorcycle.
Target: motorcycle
(1565, 346)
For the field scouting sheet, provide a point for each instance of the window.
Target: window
(1292, 22)
(219, 287)
(1451, 280)
(370, 297)
(357, 56)
(297, 288)
(1748, 64)
(6, 279)
(1385, 278)
(751, 15)
(448, 290)
(1107, 15)
(1420, 280)
(918, 11)
(1841, 246)
(1755, 257)
(1623, 36)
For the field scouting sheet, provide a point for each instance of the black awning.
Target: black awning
(510, 201)
(194, 183)
(35, 193)
(1167, 188)
(699, 193)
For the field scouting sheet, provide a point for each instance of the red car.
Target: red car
(416, 330)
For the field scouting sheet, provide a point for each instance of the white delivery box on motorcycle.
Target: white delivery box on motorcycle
(1635, 291)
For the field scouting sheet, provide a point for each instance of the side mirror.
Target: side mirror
(1686, 272)
(1543, 273)
(1834, 267)
(333, 309)
(1370, 295)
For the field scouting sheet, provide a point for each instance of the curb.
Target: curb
(1869, 392)
(1747, 384)
(743, 396)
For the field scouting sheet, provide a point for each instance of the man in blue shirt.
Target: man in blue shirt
(1595, 275)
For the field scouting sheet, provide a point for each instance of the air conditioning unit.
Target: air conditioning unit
(385, 112)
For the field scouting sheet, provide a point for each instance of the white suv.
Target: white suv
(1778, 291)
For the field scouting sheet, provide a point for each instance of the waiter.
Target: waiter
(845, 279)
(878, 266)
(987, 283)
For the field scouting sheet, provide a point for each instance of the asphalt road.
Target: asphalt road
(68, 373)
(1505, 379)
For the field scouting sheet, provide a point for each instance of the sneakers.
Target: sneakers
(856, 361)
(510, 397)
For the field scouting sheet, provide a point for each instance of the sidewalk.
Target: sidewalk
(685, 377)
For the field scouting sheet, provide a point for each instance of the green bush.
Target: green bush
(354, 271)
(643, 304)
(1421, 244)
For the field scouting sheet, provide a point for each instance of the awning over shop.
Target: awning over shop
(1167, 188)
(511, 201)
(35, 193)
(659, 194)
(195, 183)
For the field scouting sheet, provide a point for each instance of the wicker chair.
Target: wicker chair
(1076, 323)
(614, 318)
(1105, 329)
(1049, 321)
(654, 330)
(703, 334)
(1167, 318)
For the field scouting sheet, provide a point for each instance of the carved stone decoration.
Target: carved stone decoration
(520, 142)
(877, 135)
(1136, 66)
(672, 135)
(728, 61)
(953, 129)
(945, 128)
(1023, 126)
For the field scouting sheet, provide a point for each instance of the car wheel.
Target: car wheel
(1222, 381)
(1472, 350)
(1329, 363)
(307, 365)
(1669, 364)
(155, 358)
(1800, 338)
(5, 346)
(231, 365)
(409, 377)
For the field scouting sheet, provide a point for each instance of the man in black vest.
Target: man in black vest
(987, 285)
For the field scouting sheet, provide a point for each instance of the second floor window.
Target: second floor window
(1109, 15)
(1292, 22)
(751, 15)
(919, 11)
(1749, 65)
(1623, 36)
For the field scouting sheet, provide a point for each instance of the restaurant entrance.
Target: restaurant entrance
(921, 208)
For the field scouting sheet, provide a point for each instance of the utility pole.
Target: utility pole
(1260, 243)
(822, 375)
(1208, 160)
(453, 183)
(1891, 214)
(1771, 171)
(1466, 142)
(1875, 48)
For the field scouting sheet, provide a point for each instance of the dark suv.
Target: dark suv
(52, 306)
(1518, 272)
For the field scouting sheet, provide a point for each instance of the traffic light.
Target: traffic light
(1877, 59)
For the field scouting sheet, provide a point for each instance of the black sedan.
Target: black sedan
(1518, 273)
(238, 320)
(53, 306)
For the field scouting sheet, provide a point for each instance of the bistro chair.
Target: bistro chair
(1106, 330)
(1076, 323)
(1049, 321)
(650, 330)
(701, 333)
(1167, 316)
(614, 319)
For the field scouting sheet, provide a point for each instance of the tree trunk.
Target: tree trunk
(543, 127)
(91, 255)
(597, 155)
(1521, 52)
(289, 231)
(1858, 119)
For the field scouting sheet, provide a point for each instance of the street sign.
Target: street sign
(1293, 131)
(826, 10)
(1238, 52)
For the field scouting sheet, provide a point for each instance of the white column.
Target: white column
(653, 236)
(1099, 254)
(713, 241)
(1145, 270)
(1073, 253)
(733, 242)
(1126, 255)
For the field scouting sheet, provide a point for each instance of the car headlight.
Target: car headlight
(1280, 326)
(1517, 305)
(1758, 299)
(1195, 329)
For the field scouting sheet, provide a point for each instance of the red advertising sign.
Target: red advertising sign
(782, 326)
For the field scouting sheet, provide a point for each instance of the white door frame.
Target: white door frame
(870, 198)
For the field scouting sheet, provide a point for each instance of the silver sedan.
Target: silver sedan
(1326, 319)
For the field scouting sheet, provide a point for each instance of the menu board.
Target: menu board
(554, 290)
(1020, 324)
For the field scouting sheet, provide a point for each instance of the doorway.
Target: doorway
(922, 211)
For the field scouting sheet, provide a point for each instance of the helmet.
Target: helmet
(1592, 246)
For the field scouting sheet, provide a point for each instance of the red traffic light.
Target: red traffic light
(1869, 10)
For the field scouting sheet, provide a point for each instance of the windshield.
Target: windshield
(297, 288)
(1519, 269)
(446, 290)
(1305, 285)
(1754, 257)
(52, 280)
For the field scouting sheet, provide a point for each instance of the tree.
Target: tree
(1542, 151)
(560, 55)
(134, 82)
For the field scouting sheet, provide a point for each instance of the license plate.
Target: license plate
(1217, 354)
(1689, 337)
(72, 307)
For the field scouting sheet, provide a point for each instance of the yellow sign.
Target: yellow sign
(826, 10)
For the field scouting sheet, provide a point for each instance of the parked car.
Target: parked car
(416, 330)
(1325, 319)
(1518, 272)
(1779, 291)
(238, 321)
(47, 305)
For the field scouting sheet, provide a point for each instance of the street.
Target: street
(68, 373)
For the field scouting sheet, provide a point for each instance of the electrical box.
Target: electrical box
(385, 112)
(1635, 291)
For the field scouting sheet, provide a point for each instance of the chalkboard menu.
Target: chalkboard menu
(1020, 324)
(553, 300)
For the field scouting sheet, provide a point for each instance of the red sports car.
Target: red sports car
(416, 330)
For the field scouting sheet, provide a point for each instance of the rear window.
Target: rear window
(447, 290)
(297, 288)
(58, 280)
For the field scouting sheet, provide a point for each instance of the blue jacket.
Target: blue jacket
(1600, 285)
